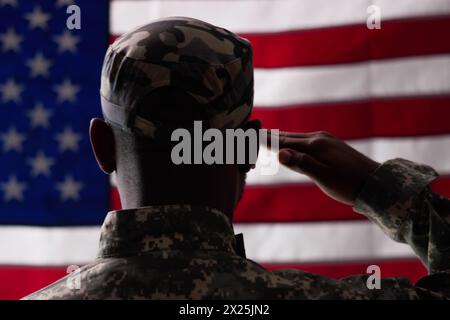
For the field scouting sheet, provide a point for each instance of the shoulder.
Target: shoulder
(83, 283)
(298, 284)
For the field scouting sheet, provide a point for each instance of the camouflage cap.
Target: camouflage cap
(207, 72)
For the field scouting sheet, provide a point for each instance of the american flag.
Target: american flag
(317, 67)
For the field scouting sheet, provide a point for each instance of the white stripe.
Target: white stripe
(24, 245)
(374, 79)
(247, 16)
(432, 150)
(294, 242)
(306, 242)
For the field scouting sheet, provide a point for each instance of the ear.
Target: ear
(255, 125)
(103, 145)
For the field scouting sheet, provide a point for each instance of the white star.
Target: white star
(13, 189)
(12, 140)
(11, 91)
(69, 188)
(62, 3)
(66, 91)
(40, 164)
(39, 116)
(11, 40)
(67, 42)
(38, 18)
(39, 65)
(68, 140)
(12, 3)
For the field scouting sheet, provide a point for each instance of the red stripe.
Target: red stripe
(114, 203)
(19, 281)
(396, 117)
(286, 203)
(297, 203)
(350, 43)
(291, 203)
(441, 187)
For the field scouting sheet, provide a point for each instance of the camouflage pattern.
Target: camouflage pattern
(210, 65)
(189, 252)
(397, 197)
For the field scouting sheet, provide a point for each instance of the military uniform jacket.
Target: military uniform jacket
(188, 252)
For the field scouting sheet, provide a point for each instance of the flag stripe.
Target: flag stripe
(414, 76)
(350, 43)
(19, 281)
(310, 204)
(320, 241)
(395, 117)
(419, 149)
(264, 16)
(48, 245)
(327, 45)
(298, 202)
(289, 243)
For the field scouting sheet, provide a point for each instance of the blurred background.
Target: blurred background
(319, 65)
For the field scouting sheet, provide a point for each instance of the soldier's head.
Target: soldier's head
(165, 76)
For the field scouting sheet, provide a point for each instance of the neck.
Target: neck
(135, 197)
(215, 187)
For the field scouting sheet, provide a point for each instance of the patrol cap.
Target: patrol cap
(176, 70)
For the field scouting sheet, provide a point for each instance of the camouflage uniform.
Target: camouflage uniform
(191, 252)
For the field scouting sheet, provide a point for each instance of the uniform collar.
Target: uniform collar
(138, 231)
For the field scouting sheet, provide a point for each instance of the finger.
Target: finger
(304, 134)
(278, 142)
(300, 141)
(302, 163)
(297, 144)
(296, 134)
(275, 142)
(276, 134)
(273, 133)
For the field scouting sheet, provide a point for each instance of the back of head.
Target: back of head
(163, 76)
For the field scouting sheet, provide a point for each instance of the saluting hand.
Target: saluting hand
(336, 168)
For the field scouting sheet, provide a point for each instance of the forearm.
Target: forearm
(398, 199)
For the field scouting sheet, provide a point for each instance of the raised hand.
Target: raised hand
(336, 168)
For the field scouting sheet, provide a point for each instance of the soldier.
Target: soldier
(174, 238)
